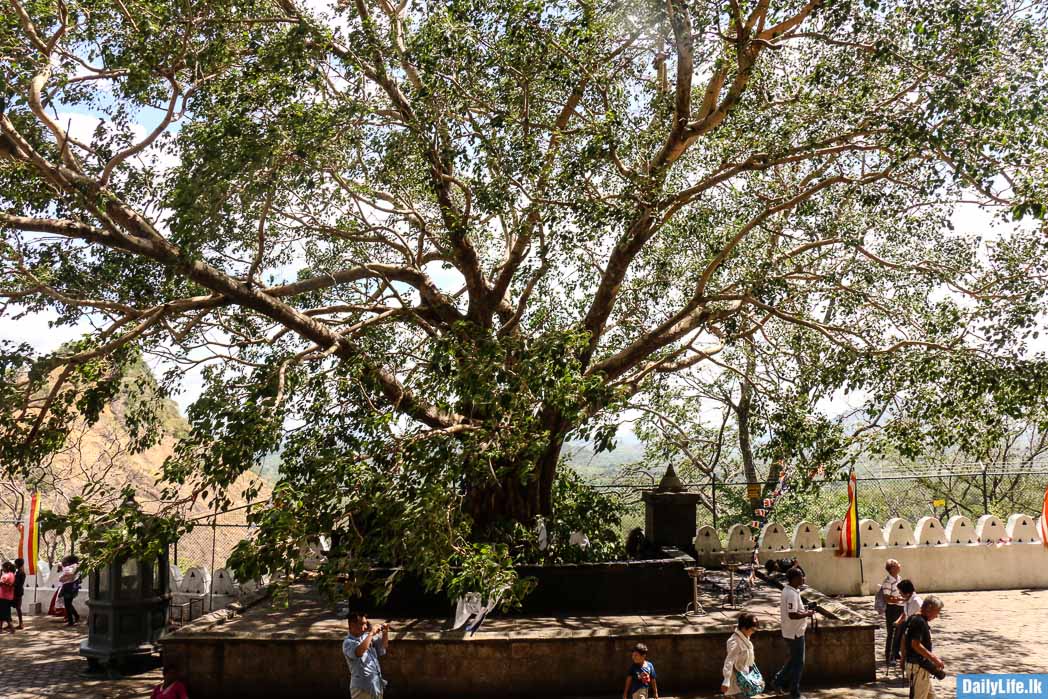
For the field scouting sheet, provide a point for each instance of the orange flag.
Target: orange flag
(29, 536)
(1044, 520)
(849, 539)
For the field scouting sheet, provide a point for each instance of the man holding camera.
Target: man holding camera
(921, 663)
(362, 649)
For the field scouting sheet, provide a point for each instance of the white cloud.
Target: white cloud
(36, 330)
(82, 128)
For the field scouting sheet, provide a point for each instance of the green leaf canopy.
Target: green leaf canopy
(417, 245)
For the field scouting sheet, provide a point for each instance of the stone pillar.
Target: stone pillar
(669, 514)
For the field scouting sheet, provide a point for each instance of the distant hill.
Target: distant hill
(98, 454)
(605, 465)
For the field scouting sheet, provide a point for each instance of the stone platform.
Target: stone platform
(276, 651)
(1000, 631)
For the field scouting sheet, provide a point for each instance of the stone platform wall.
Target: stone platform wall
(579, 588)
(986, 555)
(286, 668)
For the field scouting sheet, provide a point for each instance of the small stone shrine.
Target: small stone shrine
(669, 513)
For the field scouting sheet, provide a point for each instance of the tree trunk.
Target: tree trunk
(491, 504)
(745, 446)
(511, 500)
(547, 464)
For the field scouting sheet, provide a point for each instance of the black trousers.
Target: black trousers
(891, 649)
(71, 616)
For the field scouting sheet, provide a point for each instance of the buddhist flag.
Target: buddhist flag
(27, 542)
(1044, 520)
(849, 542)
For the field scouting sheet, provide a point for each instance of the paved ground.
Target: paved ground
(992, 632)
(978, 632)
(42, 660)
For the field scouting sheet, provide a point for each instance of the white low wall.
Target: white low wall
(43, 597)
(934, 557)
(942, 568)
(208, 591)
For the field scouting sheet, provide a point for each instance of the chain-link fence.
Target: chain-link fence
(52, 547)
(207, 545)
(212, 539)
(931, 491)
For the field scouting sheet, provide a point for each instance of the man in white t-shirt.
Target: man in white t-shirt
(911, 607)
(794, 618)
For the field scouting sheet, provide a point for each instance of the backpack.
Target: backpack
(879, 604)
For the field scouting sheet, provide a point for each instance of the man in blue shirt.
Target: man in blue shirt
(362, 649)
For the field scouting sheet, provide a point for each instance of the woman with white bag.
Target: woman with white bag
(741, 676)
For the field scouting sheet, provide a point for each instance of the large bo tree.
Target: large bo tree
(417, 245)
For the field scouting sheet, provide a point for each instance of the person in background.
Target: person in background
(911, 607)
(19, 589)
(794, 618)
(70, 581)
(921, 662)
(362, 648)
(890, 602)
(640, 678)
(7, 594)
(172, 687)
(739, 659)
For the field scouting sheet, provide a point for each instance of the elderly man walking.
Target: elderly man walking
(362, 649)
(889, 601)
(921, 663)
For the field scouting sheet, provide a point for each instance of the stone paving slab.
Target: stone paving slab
(43, 660)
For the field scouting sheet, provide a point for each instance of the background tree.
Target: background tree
(416, 246)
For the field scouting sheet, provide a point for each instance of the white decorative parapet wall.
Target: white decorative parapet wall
(989, 555)
(216, 590)
(211, 590)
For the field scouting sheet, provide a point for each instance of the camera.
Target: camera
(813, 622)
(932, 670)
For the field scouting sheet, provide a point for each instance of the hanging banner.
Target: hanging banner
(849, 539)
(1044, 520)
(29, 536)
(763, 514)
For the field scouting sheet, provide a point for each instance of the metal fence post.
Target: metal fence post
(986, 493)
(713, 486)
(214, 545)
